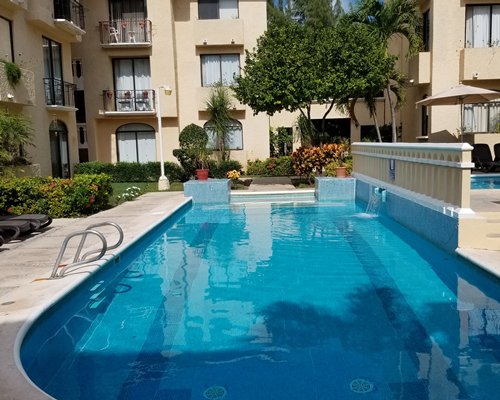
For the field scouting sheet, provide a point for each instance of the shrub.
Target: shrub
(193, 152)
(310, 161)
(219, 170)
(280, 166)
(82, 195)
(132, 171)
(130, 194)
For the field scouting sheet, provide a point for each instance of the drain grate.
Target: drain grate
(361, 386)
(215, 393)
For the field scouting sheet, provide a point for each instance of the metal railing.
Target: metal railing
(125, 32)
(59, 270)
(129, 100)
(70, 10)
(59, 92)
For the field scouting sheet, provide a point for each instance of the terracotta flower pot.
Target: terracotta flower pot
(202, 174)
(341, 172)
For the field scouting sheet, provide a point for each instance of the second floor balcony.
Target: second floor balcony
(59, 93)
(129, 101)
(125, 33)
(69, 15)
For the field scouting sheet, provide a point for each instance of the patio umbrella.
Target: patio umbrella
(460, 94)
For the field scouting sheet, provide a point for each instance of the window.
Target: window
(234, 139)
(217, 9)
(217, 68)
(57, 92)
(6, 47)
(482, 117)
(132, 80)
(59, 149)
(482, 26)
(136, 143)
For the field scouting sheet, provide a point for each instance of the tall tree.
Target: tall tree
(389, 19)
(293, 67)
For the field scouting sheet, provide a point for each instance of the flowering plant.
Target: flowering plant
(234, 175)
(130, 194)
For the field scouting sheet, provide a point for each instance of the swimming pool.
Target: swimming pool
(485, 182)
(274, 301)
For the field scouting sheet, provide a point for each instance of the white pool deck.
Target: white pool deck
(23, 297)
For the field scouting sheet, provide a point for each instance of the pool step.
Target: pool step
(481, 232)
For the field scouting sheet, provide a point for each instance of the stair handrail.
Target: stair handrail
(59, 269)
(110, 247)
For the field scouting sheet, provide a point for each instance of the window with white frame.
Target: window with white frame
(132, 74)
(482, 117)
(219, 68)
(482, 26)
(136, 143)
(6, 52)
(234, 138)
(217, 9)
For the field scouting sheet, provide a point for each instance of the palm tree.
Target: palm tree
(218, 106)
(388, 19)
(15, 132)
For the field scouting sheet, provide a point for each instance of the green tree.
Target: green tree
(389, 19)
(293, 67)
(15, 132)
(219, 106)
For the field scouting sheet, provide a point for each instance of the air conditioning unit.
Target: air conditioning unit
(475, 75)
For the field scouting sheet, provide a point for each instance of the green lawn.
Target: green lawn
(121, 187)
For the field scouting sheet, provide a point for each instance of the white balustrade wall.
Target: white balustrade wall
(439, 171)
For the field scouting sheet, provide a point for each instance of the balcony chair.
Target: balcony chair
(114, 35)
(481, 156)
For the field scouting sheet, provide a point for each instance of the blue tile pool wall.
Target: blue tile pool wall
(209, 191)
(335, 189)
(433, 225)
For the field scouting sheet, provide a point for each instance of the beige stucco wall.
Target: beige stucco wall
(446, 64)
(30, 23)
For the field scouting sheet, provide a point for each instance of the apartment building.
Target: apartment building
(461, 45)
(101, 76)
(150, 63)
(37, 35)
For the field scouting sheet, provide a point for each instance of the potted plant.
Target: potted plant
(201, 156)
(193, 153)
(13, 73)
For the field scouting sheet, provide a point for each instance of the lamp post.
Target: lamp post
(163, 183)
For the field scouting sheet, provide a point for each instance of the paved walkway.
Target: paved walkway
(22, 296)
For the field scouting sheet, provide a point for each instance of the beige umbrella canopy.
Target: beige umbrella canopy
(460, 94)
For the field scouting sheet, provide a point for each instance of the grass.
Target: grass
(120, 188)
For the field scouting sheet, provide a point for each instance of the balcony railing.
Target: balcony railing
(59, 93)
(129, 100)
(69, 10)
(131, 32)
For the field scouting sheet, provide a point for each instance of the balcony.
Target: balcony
(59, 94)
(23, 93)
(420, 68)
(14, 5)
(125, 33)
(480, 63)
(129, 102)
(69, 16)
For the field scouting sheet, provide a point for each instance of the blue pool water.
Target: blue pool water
(274, 301)
(485, 182)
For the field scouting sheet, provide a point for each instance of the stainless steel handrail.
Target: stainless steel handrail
(110, 247)
(59, 270)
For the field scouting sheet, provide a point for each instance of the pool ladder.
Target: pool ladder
(59, 269)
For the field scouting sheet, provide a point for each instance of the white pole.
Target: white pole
(163, 183)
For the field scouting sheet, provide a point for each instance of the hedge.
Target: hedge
(59, 198)
(280, 166)
(133, 171)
